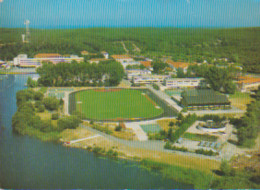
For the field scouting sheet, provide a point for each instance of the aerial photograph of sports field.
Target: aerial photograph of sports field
(129, 94)
(116, 104)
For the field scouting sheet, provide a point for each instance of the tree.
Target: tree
(38, 95)
(51, 103)
(180, 73)
(230, 87)
(226, 169)
(31, 83)
(159, 67)
(69, 122)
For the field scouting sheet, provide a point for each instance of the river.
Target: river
(26, 162)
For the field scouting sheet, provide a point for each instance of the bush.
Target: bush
(118, 128)
(38, 95)
(167, 145)
(23, 96)
(206, 152)
(171, 123)
(41, 108)
(69, 122)
(61, 102)
(54, 116)
(156, 87)
(184, 125)
(38, 104)
(112, 153)
(51, 103)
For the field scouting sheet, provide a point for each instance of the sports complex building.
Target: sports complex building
(204, 99)
(23, 61)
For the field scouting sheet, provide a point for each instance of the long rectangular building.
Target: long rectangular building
(204, 99)
(184, 82)
(23, 61)
(149, 79)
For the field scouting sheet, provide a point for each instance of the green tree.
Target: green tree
(180, 73)
(51, 103)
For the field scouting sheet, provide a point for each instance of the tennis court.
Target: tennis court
(151, 128)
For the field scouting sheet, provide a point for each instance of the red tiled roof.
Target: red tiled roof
(146, 63)
(47, 55)
(178, 64)
(121, 57)
(248, 80)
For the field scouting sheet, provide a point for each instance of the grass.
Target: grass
(240, 100)
(199, 137)
(164, 124)
(44, 136)
(151, 128)
(46, 115)
(199, 179)
(123, 104)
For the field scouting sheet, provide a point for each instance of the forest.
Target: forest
(239, 45)
(106, 73)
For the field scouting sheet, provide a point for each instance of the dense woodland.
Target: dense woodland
(239, 45)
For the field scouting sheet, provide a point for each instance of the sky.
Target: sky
(129, 13)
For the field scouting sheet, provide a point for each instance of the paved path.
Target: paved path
(135, 126)
(66, 103)
(83, 139)
(165, 97)
(153, 145)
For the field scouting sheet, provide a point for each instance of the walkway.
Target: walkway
(135, 126)
(165, 97)
(153, 145)
(83, 139)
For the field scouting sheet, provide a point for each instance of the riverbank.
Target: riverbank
(17, 71)
(172, 165)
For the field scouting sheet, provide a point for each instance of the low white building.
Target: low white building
(125, 60)
(136, 72)
(184, 82)
(149, 78)
(248, 84)
(105, 54)
(23, 61)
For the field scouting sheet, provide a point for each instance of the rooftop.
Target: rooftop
(203, 97)
(146, 63)
(47, 55)
(121, 57)
(248, 80)
(182, 65)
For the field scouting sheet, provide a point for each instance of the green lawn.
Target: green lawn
(125, 104)
(199, 137)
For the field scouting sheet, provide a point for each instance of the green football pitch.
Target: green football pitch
(116, 104)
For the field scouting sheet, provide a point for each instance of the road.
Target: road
(153, 145)
(165, 97)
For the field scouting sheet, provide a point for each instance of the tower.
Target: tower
(27, 35)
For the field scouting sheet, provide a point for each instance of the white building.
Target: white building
(184, 82)
(136, 72)
(148, 79)
(125, 60)
(105, 54)
(23, 61)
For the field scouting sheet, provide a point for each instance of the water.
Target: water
(26, 162)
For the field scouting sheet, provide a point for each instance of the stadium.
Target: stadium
(118, 104)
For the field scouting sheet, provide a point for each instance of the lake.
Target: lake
(26, 162)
